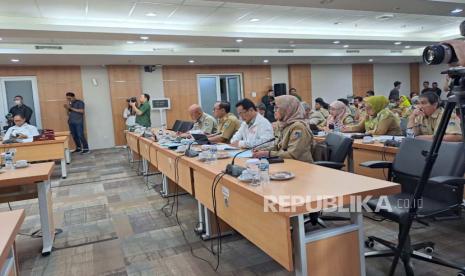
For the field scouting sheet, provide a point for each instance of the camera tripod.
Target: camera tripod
(456, 100)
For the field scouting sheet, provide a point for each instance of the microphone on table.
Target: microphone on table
(236, 170)
(189, 152)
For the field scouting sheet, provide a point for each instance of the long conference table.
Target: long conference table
(247, 209)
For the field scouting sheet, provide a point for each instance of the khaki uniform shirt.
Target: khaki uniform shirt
(205, 123)
(385, 123)
(228, 125)
(428, 125)
(294, 142)
(316, 118)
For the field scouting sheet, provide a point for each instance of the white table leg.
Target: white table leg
(67, 156)
(64, 174)
(46, 216)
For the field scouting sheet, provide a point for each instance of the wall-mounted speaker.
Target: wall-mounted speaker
(279, 89)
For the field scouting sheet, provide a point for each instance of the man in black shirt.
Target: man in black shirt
(426, 87)
(395, 92)
(436, 89)
(20, 108)
(76, 112)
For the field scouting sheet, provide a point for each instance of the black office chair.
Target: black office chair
(339, 148)
(442, 194)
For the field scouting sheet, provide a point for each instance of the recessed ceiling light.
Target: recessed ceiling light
(14, 60)
(254, 20)
(1, 38)
(239, 40)
(456, 11)
(130, 42)
(370, 60)
(265, 61)
(191, 61)
(336, 42)
(144, 37)
(151, 14)
(346, 46)
(337, 23)
(407, 47)
(292, 45)
(397, 43)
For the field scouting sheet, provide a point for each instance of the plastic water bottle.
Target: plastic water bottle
(212, 153)
(410, 133)
(9, 159)
(264, 167)
(253, 171)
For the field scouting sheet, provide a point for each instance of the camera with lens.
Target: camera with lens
(450, 52)
(132, 100)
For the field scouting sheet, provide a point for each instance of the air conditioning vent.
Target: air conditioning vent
(385, 17)
(396, 51)
(230, 50)
(353, 51)
(48, 47)
(285, 51)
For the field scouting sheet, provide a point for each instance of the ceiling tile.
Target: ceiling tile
(62, 9)
(21, 8)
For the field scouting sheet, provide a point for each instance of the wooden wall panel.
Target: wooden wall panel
(180, 85)
(300, 78)
(362, 79)
(415, 77)
(125, 82)
(52, 83)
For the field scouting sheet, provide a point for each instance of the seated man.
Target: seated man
(228, 123)
(202, 121)
(21, 131)
(254, 130)
(425, 119)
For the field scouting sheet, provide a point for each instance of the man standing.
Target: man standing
(20, 108)
(228, 123)
(436, 89)
(426, 87)
(293, 92)
(75, 110)
(394, 95)
(254, 130)
(143, 111)
(202, 121)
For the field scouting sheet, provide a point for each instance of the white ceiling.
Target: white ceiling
(194, 27)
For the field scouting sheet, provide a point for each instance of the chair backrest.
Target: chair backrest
(339, 146)
(409, 162)
(403, 126)
(177, 125)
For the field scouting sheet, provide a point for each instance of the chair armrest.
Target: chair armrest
(330, 164)
(377, 164)
(448, 180)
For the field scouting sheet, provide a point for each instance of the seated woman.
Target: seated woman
(379, 120)
(322, 106)
(338, 116)
(313, 117)
(295, 139)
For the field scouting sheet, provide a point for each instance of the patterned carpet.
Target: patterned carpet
(113, 224)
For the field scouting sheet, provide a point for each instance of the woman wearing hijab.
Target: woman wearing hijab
(338, 116)
(402, 107)
(379, 120)
(294, 138)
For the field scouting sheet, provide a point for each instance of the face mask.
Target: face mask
(17, 102)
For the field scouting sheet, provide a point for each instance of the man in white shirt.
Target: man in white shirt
(22, 131)
(254, 130)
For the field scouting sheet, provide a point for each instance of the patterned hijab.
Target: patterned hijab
(341, 110)
(404, 102)
(291, 110)
(377, 103)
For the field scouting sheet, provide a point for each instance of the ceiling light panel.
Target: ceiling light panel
(162, 11)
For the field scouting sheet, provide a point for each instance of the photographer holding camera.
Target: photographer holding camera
(143, 111)
(129, 114)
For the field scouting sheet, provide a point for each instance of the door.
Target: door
(209, 87)
(234, 92)
(213, 88)
(20, 86)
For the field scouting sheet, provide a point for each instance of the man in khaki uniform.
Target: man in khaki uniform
(202, 121)
(424, 121)
(294, 137)
(228, 123)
